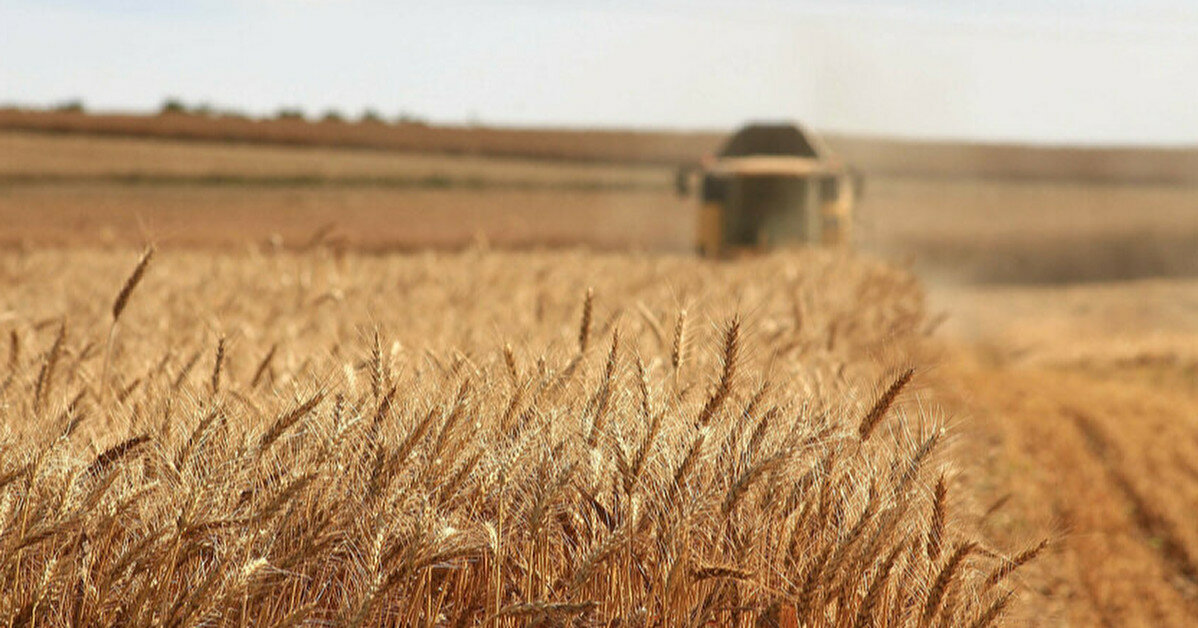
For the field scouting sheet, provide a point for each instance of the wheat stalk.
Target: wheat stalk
(882, 405)
(45, 377)
(948, 573)
(868, 613)
(113, 454)
(939, 516)
(118, 308)
(139, 271)
(678, 348)
(1007, 567)
(584, 328)
(994, 611)
(263, 366)
(727, 373)
(217, 364)
(287, 420)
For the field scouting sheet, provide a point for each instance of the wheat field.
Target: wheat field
(315, 437)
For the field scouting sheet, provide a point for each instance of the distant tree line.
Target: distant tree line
(73, 105)
(175, 106)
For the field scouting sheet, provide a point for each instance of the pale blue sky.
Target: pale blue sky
(1058, 72)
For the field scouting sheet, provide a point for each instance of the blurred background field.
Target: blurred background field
(976, 223)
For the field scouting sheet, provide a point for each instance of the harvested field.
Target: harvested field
(994, 231)
(364, 217)
(546, 144)
(71, 190)
(254, 438)
(34, 157)
(1080, 405)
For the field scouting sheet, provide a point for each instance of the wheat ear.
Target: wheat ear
(882, 405)
(584, 328)
(118, 308)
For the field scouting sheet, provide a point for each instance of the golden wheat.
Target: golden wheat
(440, 482)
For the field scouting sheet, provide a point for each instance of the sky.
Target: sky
(1063, 72)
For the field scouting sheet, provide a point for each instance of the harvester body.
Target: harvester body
(773, 185)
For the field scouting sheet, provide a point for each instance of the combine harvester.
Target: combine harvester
(771, 185)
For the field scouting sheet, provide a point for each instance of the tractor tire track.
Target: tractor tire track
(1091, 460)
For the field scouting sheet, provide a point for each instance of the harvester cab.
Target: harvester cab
(771, 185)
